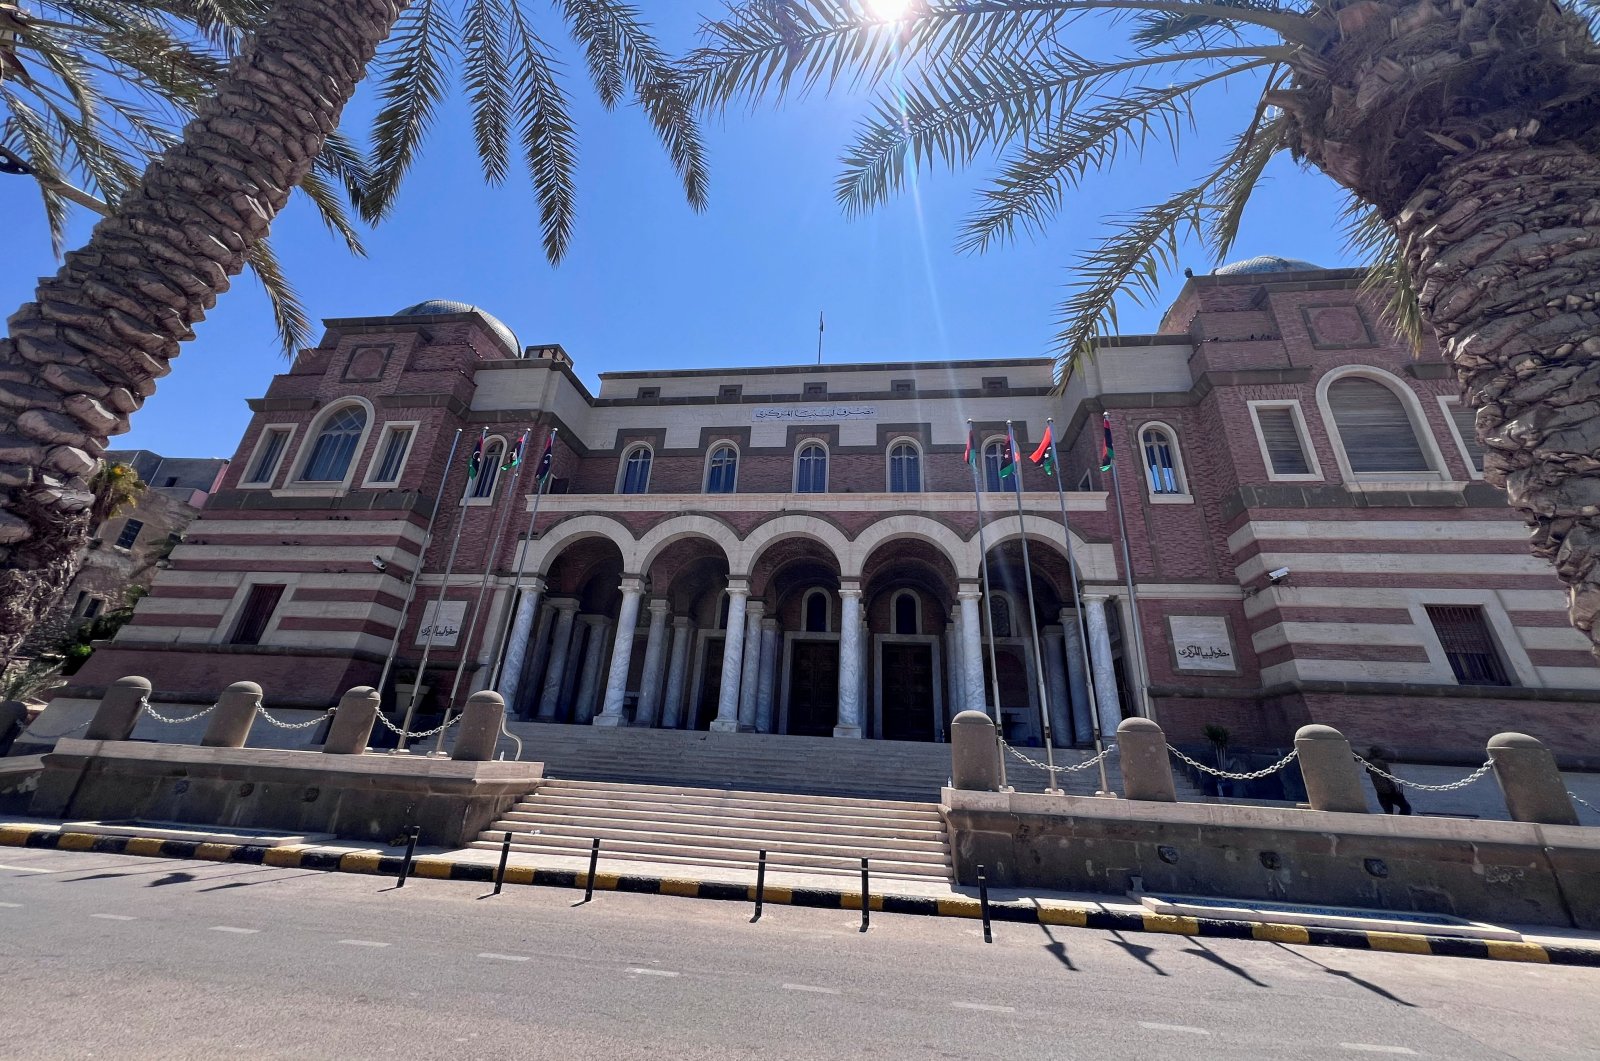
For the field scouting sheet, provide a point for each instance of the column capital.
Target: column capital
(632, 584)
(682, 621)
(594, 619)
(739, 586)
(1068, 616)
(1095, 596)
(659, 606)
(1053, 630)
(965, 592)
(532, 584)
(769, 623)
(850, 589)
(755, 609)
(565, 605)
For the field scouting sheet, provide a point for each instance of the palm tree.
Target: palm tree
(1464, 130)
(82, 357)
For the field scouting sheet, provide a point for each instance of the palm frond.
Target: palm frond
(549, 142)
(28, 135)
(1370, 236)
(487, 78)
(413, 81)
(288, 312)
(331, 208)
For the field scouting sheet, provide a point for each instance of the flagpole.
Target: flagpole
(1033, 616)
(819, 337)
(539, 483)
(1127, 571)
(483, 589)
(433, 627)
(1077, 602)
(411, 585)
(987, 616)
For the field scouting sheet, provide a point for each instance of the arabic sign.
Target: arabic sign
(449, 623)
(1202, 643)
(812, 413)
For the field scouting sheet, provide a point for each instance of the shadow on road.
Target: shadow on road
(1351, 977)
(1057, 949)
(1138, 952)
(1200, 950)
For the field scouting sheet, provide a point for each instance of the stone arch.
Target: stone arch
(1096, 560)
(678, 528)
(907, 525)
(549, 544)
(792, 526)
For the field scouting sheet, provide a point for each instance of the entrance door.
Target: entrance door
(907, 691)
(710, 686)
(813, 688)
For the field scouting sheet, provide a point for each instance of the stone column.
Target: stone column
(352, 722)
(957, 683)
(519, 643)
(479, 729)
(850, 656)
(864, 697)
(767, 695)
(1055, 677)
(231, 720)
(727, 720)
(1105, 675)
(974, 755)
(1533, 786)
(560, 644)
(1332, 775)
(621, 653)
(119, 709)
(569, 683)
(493, 617)
(532, 680)
(682, 636)
(655, 665)
(750, 679)
(972, 694)
(593, 659)
(1077, 677)
(1146, 768)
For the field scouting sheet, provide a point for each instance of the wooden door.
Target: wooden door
(813, 688)
(907, 691)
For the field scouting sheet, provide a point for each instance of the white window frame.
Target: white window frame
(983, 466)
(622, 467)
(289, 580)
(1184, 496)
(1409, 401)
(467, 500)
(277, 465)
(738, 466)
(894, 609)
(1445, 403)
(827, 610)
(888, 465)
(383, 443)
(1299, 416)
(293, 485)
(827, 464)
(1513, 653)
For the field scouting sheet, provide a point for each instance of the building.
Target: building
(795, 549)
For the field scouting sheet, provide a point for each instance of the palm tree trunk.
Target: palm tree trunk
(85, 354)
(1504, 245)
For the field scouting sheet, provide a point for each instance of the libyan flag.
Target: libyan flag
(1008, 463)
(1041, 456)
(475, 460)
(1107, 455)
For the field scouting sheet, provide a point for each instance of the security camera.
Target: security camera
(1277, 575)
(377, 562)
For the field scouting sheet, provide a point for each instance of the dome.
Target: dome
(435, 307)
(1265, 263)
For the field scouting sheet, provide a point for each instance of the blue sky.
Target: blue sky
(650, 283)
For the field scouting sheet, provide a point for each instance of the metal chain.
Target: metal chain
(28, 732)
(1251, 776)
(1583, 801)
(262, 711)
(159, 717)
(1109, 751)
(1451, 787)
(397, 731)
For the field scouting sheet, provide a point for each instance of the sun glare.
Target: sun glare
(889, 9)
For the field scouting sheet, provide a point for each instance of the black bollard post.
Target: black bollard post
(983, 901)
(761, 885)
(500, 874)
(411, 851)
(866, 898)
(594, 858)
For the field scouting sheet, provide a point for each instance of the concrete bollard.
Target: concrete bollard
(1146, 767)
(1534, 788)
(1332, 775)
(352, 722)
(479, 727)
(974, 755)
(119, 709)
(235, 713)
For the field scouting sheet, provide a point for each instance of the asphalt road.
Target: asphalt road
(111, 956)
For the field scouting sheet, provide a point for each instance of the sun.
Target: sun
(889, 10)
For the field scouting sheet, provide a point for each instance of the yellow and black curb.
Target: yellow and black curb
(1032, 912)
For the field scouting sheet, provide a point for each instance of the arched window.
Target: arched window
(907, 613)
(636, 471)
(815, 611)
(905, 468)
(999, 617)
(994, 459)
(335, 446)
(1162, 466)
(722, 470)
(494, 454)
(811, 469)
(1375, 427)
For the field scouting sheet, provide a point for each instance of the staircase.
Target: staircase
(722, 829)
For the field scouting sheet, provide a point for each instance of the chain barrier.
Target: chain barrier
(1420, 787)
(159, 717)
(28, 732)
(1583, 801)
(262, 711)
(1109, 751)
(397, 731)
(1253, 775)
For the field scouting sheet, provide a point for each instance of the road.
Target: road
(147, 958)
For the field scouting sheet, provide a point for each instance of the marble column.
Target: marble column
(621, 653)
(1055, 677)
(520, 641)
(532, 681)
(1077, 677)
(850, 655)
(727, 720)
(594, 656)
(957, 680)
(560, 646)
(1105, 676)
(494, 618)
(655, 665)
(682, 638)
(568, 711)
(750, 679)
(865, 696)
(1030, 666)
(972, 692)
(767, 694)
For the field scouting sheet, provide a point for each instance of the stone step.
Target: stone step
(662, 853)
(653, 811)
(717, 832)
(672, 792)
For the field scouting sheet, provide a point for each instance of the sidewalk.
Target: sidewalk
(827, 891)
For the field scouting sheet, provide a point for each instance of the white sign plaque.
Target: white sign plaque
(1201, 643)
(812, 413)
(449, 623)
